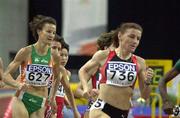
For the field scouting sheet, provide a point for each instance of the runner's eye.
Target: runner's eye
(59, 49)
(54, 47)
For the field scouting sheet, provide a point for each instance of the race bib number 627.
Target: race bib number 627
(38, 75)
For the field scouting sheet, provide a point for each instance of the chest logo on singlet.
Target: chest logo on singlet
(121, 73)
(38, 60)
(37, 74)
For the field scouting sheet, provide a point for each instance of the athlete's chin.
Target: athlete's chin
(63, 63)
(48, 42)
(132, 51)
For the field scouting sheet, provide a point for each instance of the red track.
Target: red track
(5, 107)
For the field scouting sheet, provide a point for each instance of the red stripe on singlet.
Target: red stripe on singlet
(134, 60)
(103, 68)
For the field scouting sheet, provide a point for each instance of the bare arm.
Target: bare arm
(87, 70)
(144, 79)
(162, 83)
(56, 74)
(167, 104)
(79, 93)
(55, 80)
(13, 66)
(69, 93)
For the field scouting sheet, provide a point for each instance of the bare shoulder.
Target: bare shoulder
(23, 53)
(25, 50)
(141, 62)
(101, 54)
(68, 72)
(140, 59)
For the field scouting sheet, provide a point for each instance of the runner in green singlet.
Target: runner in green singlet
(38, 62)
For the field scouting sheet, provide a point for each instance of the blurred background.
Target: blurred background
(80, 22)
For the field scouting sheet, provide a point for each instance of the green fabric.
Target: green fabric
(38, 59)
(177, 65)
(32, 102)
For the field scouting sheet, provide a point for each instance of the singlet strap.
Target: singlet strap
(134, 60)
(35, 54)
(112, 53)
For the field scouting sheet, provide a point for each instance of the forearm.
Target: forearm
(66, 101)
(79, 93)
(70, 96)
(163, 90)
(8, 79)
(146, 92)
(54, 88)
(84, 77)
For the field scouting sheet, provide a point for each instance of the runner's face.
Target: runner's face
(64, 56)
(130, 39)
(56, 46)
(47, 34)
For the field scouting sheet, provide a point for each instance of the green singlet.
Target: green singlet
(177, 65)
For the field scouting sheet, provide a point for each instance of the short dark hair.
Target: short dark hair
(124, 26)
(62, 41)
(59, 38)
(65, 45)
(38, 22)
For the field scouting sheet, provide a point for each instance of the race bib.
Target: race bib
(98, 104)
(60, 92)
(176, 110)
(38, 75)
(121, 73)
(98, 81)
(50, 83)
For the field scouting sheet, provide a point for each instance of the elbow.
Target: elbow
(161, 83)
(83, 73)
(68, 90)
(162, 86)
(80, 72)
(4, 75)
